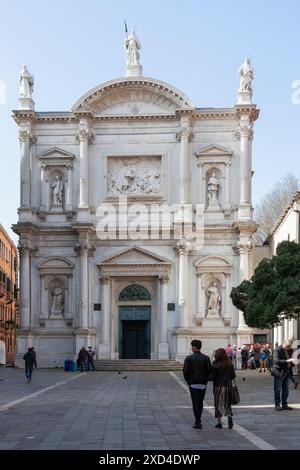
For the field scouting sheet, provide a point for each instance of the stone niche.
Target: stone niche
(134, 176)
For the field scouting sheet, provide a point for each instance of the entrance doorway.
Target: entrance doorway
(135, 342)
(135, 323)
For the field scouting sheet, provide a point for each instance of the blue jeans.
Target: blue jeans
(28, 372)
(281, 387)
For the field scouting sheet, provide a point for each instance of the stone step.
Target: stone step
(137, 364)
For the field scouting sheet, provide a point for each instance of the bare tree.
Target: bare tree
(271, 206)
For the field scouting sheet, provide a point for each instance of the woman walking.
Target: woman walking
(222, 374)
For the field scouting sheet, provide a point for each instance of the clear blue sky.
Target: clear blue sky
(196, 45)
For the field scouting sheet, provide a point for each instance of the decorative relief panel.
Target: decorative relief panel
(134, 175)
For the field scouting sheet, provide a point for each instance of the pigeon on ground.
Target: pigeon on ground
(125, 377)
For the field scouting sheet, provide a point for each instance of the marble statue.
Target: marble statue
(214, 301)
(26, 83)
(57, 191)
(57, 306)
(132, 46)
(212, 190)
(246, 76)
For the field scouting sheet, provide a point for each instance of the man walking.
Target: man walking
(30, 361)
(196, 372)
(282, 362)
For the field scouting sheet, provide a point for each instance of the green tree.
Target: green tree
(273, 292)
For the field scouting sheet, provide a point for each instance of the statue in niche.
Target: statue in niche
(26, 83)
(57, 191)
(132, 46)
(214, 298)
(212, 191)
(58, 300)
(246, 76)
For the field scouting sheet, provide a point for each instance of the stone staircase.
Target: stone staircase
(137, 364)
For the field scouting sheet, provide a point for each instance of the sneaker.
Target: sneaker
(278, 408)
(219, 425)
(287, 407)
(230, 422)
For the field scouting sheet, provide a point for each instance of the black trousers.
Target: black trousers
(197, 401)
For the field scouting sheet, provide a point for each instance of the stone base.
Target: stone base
(134, 70)
(163, 351)
(103, 351)
(244, 98)
(213, 314)
(26, 104)
(244, 211)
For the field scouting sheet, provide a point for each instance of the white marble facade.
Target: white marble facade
(142, 138)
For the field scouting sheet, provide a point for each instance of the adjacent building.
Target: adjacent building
(9, 308)
(130, 150)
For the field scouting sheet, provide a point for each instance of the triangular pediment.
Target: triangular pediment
(56, 152)
(214, 150)
(133, 256)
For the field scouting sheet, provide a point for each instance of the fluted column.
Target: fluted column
(84, 137)
(103, 350)
(163, 346)
(182, 250)
(24, 252)
(25, 138)
(82, 252)
(227, 184)
(246, 133)
(183, 136)
(227, 293)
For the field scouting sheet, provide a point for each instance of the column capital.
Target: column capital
(163, 278)
(82, 249)
(104, 278)
(182, 247)
(84, 135)
(184, 133)
(245, 131)
(25, 248)
(27, 136)
(244, 247)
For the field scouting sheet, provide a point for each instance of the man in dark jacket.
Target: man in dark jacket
(282, 362)
(30, 361)
(196, 371)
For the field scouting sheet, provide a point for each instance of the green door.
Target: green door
(134, 332)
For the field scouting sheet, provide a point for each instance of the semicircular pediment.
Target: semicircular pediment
(132, 96)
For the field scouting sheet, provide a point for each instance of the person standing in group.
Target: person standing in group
(82, 359)
(90, 358)
(229, 352)
(196, 372)
(238, 359)
(290, 369)
(282, 362)
(264, 358)
(245, 357)
(222, 374)
(30, 361)
(256, 351)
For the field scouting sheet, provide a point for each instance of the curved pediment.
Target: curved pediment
(132, 96)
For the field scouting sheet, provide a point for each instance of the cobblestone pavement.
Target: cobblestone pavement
(146, 410)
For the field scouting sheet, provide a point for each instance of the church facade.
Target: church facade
(97, 266)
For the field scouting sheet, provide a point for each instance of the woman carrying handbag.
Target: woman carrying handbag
(222, 375)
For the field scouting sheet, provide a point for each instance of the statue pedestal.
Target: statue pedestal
(134, 70)
(244, 97)
(213, 314)
(26, 104)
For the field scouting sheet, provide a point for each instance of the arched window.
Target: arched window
(135, 292)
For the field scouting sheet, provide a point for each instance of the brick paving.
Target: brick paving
(146, 410)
